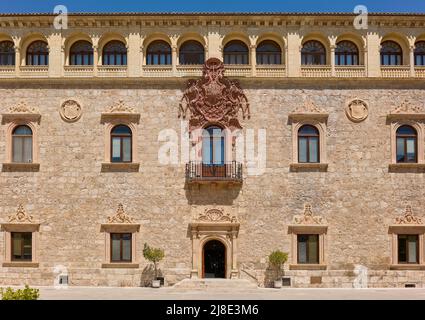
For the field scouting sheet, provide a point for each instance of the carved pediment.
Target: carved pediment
(21, 216)
(216, 215)
(120, 216)
(308, 110)
(408, 217)
(407, 110)
(307, 217)
(120, 110)
(21, 111)
(213, 99)
(22, 107)
(120, 107)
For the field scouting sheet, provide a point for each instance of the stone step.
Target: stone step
(215, 284)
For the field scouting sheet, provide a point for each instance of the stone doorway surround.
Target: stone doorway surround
(214, 224)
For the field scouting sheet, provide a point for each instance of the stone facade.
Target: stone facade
(70, 195)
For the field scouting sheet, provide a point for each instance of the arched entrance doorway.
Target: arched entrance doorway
(214, 259)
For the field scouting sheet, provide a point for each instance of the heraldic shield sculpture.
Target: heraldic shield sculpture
(214, 99)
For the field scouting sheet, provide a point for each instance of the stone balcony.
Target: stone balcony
(112, 71)
(34, 71)
(194, 71)
(78, 71)
(395, 71)
(316, 71)
(350, 71)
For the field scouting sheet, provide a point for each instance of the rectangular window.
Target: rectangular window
(408, 248)
(121, 247)
(308, 248)
(21, 246)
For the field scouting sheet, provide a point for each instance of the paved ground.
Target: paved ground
(83, 293)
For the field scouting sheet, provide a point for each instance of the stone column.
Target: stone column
(333, 73)
(195, 244)
(253, 59)
(55, 55)
(214, 43)
(174, 59)
(373, 54)
(17, 60)
(412, 61)
(95, 59)
(234, 271)
(293, 62)
(134, 55)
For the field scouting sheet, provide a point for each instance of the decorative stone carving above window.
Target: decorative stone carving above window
(20, 221)
(120, 114)
(308, 224)
(408, 217)
(307, 217)
(308, 110)
(70, 110)
(120, 216)
(120, 111)
(120, 222)
(21, 216)
(309, 114)
(412, 115)
(216, 215)
(407, 224)
(406, 111)
(214, 99)
(357, 110)
(21, 111)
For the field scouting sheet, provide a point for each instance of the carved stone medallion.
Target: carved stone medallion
(70, 111)
(357, 110)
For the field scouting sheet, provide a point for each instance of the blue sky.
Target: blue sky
(23, 6)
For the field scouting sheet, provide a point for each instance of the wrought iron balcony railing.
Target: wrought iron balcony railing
(198, 172)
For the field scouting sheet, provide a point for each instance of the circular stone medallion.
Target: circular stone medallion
(357, 110)
(70, 111)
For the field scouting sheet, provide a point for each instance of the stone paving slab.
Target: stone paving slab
(98, 293)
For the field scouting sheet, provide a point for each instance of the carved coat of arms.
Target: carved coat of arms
(213, 99)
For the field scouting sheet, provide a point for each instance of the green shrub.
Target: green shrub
(277, 259)
(154, 255)
(20, 294)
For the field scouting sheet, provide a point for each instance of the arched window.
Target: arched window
(114, 54)
(7, 53)
(235, 52)
(213, 146)
(269, 52)
(158, 53)
(391, 54)
(121, 144)
(22, 144)
(308, 144)
(313, 52)
(346, 54)
(407, 144)
(81, 53)
(191, 52)
(420, 53)
(37, 54)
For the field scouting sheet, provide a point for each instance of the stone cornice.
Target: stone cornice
(210, 19)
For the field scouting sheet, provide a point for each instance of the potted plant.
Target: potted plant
(276, 260)
(154, 255)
